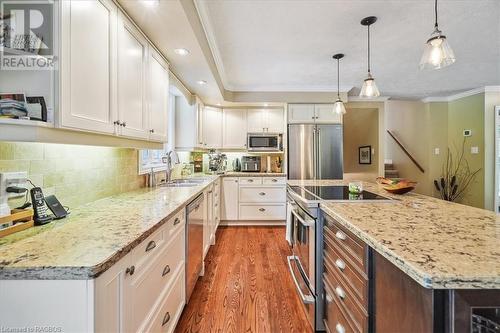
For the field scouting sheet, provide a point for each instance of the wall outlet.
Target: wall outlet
(467, 132)
(474, 150)
(436, 151)
(19, 179)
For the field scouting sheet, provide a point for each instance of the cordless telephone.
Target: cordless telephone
(39, 207)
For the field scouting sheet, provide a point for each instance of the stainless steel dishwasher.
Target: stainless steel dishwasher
(194, 243)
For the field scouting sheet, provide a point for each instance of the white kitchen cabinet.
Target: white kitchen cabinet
(301, 113)
(313, 113)
(229, 198)
(199, 123)
(212, 127)
(324, 114)
(234, 124)
(88, 65)
(132, 68)
(158, 83)
(265, 120)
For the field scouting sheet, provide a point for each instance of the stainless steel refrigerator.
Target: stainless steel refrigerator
(315, 151)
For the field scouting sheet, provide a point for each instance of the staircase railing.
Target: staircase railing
(405, 151)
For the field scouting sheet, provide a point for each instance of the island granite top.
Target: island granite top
(439, 244)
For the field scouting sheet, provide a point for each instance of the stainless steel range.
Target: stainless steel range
(306, 263)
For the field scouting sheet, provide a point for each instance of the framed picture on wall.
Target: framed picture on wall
(365, 155)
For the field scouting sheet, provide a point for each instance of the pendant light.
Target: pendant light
(338, 106)
(369, 89)
(437, 52)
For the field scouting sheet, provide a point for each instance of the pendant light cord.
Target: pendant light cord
(338, 78)
(436, 14)
(369, 49)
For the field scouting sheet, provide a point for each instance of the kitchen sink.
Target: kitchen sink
(175, 184)
(185, 182)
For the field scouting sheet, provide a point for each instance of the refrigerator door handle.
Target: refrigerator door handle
(319, 153)
(315, 155)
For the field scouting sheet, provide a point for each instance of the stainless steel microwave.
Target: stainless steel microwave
(265, 142)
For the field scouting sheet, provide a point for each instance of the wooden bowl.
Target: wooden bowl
(400, 190)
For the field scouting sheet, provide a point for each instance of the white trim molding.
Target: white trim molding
(364, 99)
(463, 94)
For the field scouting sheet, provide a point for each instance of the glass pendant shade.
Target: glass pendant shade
(369, 88)
(339, 107)
(437, 52)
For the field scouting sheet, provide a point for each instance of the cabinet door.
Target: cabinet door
(255, 121)
(235, 123)
(199, 124)
(212, 127)
(132, 62)
(275, 122)
(88, 65)
(229, 199)
(158, 97)
(301, 113)
(208, 221)
(324, 114)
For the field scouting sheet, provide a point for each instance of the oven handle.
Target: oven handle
(306, 299)
(301, 220)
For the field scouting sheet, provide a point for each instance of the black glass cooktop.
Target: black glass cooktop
(333, 193)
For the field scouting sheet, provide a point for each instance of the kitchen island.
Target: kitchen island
(414, 263)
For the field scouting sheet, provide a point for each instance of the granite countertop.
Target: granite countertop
(94, 236)
(439, 244)
(253, 174)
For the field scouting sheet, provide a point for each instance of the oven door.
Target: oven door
(265, 142)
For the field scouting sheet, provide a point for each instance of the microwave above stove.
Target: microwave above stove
(265, 142)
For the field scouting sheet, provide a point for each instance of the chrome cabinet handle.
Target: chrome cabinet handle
(340, 264)
(262, 193)
(340, 235)
(166, 270)
(262, 209)
(177, 221)
(340, 292)
(130, 270)
(339, 328)
(274, 180)
(151, 245)
(166, 319)
(250, 180)
(124, 124)
(117, 122)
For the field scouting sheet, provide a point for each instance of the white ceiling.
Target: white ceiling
(287, 45)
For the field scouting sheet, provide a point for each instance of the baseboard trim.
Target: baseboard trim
(252, 223)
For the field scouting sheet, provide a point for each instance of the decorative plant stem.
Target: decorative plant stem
(456, 177)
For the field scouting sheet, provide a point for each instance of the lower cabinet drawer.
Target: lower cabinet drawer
(274, 180)
(169, 311)
(149, 283)
(262, 194)
(262, 212)
(336, 320)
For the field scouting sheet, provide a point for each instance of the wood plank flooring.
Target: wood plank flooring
(247, 286)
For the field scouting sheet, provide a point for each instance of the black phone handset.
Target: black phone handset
(39, 207)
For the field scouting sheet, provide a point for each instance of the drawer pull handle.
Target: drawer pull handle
(166, 319)
(209, 192)
(340, 264)
(340, 235)
(262, 193)
(274, 180)
(151, 245)
(339, 328)
(250, 180)
(177, 221)
(130, 270)
(216, 205)
(340, 292)
(166, 270)
(262, 209)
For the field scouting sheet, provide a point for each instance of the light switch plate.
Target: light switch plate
(474, 150)
(436, 151)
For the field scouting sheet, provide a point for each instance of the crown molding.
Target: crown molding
(463, 94)
(364, 99)
(286, 88)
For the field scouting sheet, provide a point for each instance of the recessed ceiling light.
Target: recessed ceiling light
(265, 104)
(201, 82)
(182, 51)
(151, 3)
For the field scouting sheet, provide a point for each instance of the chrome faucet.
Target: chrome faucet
(171, 159)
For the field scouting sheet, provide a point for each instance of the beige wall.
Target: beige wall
(437, 120)
(491, 99)
(75, 174)
(361, 129)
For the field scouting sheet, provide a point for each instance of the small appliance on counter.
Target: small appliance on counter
(237, 165)
(264, 142)
(250, 164)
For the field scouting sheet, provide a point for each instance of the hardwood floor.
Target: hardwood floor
(247, 286)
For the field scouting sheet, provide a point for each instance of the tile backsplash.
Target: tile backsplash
(75, 174)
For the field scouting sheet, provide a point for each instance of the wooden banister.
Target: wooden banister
(406, 151)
